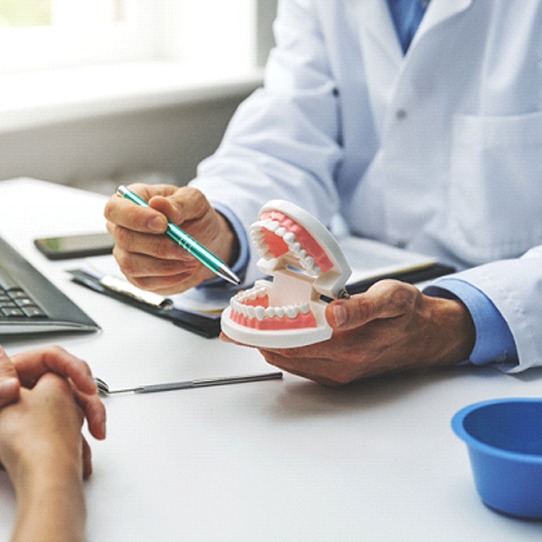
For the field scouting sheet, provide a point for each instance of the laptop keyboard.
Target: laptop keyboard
(15, 302)
(30, 303)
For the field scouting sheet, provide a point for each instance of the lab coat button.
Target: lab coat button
(400, 114)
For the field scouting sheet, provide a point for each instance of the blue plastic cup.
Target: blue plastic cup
(504, 440)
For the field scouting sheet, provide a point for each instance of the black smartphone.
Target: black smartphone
(75, 246)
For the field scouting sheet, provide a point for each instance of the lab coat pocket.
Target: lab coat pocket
(495, 203)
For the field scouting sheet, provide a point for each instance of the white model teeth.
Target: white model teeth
(288, 237)
(261, 313)
(271, 225)
(291, 311)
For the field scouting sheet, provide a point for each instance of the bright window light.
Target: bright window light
(19, 13)
(55, 13)
(62, 33)
(37, 34)
(86, 13)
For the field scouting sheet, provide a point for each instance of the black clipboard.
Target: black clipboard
(412, 276)
(202, 324)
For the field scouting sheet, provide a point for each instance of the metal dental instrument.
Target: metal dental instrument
(204, 255)
(103, 387)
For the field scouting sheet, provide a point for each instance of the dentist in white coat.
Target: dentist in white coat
(421, 123)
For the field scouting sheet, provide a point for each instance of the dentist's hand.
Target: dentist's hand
(392, 327)
(151, 260)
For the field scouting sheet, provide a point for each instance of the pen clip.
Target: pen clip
(123, 287)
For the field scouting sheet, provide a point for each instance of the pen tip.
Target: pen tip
(227, 274)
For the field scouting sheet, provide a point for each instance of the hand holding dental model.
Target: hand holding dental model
(392, 327)
(371, 333)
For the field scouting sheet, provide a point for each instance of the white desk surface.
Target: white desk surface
(280, 460)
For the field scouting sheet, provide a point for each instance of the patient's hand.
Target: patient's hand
(46, 456)
(25, 368)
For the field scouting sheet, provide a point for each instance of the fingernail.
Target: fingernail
(339, 312)
(156, 224)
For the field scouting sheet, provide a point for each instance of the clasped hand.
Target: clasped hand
(26, 371)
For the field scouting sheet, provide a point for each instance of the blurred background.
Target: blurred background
(97, 92)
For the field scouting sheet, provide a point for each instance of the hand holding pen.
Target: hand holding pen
(173, 261)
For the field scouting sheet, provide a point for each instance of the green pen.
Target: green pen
(205, 256)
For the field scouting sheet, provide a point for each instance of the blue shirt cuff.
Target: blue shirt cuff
(494, 340)
(240, 265)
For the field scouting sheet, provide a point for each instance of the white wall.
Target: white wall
(170, 140)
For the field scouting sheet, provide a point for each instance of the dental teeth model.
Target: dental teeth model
(305, 263)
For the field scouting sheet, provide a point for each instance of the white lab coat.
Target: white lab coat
(439, 150)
